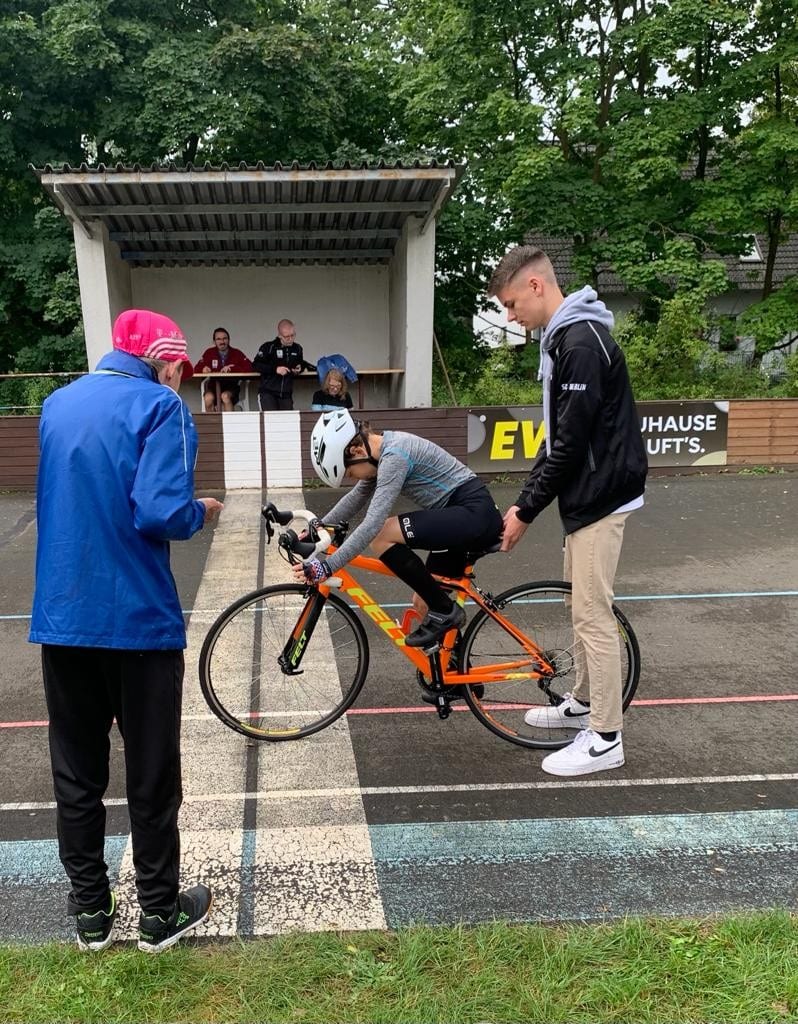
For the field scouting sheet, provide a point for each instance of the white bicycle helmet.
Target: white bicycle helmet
(331, 437)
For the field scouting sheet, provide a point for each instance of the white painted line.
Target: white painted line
(207, 751)
(476, 787)
(312, 863)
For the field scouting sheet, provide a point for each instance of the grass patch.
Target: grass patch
(737, 969)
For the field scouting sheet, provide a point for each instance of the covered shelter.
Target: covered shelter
(347, 253)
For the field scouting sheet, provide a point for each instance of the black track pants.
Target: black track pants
(86, 688)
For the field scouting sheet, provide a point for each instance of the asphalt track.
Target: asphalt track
(393, 816)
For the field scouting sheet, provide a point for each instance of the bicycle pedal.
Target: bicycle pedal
(433, 649)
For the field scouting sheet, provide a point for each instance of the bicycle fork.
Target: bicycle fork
(291, 657)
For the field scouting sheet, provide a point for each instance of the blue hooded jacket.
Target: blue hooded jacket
(115, 485)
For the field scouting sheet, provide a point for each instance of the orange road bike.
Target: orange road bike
(286, 661)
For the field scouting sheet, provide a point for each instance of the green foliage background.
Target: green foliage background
(655, 136)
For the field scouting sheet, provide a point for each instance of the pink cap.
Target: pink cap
(140, 332)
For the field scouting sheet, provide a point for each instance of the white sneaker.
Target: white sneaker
(588, 753)
(570, 714)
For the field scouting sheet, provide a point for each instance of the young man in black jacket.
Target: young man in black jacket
(595, 464)
(278, 362)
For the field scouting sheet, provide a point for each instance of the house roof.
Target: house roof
(743, 274)
(251, 214)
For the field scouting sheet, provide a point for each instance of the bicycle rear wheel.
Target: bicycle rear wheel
(542, 612)
(242, 678)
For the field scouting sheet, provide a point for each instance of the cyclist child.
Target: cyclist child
(457, 513)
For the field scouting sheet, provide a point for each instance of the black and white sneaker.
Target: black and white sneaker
(435, 626)
(588, 753)
(192, 907)
(569, 714)
(94, 930)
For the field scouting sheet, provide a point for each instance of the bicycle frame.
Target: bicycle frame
(535, 666)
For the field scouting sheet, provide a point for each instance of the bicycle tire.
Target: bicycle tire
(541, 610)
(333, 668)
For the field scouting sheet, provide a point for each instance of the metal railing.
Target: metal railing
(18, 397)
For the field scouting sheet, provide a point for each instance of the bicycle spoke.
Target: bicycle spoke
(542, 614)
(248, 687)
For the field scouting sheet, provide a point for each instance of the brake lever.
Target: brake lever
(273, 515)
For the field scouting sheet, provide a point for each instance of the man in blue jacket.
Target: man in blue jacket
(115, 486)
(594, 464)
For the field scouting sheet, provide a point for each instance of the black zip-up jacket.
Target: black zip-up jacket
(276, 353)
(598, 461)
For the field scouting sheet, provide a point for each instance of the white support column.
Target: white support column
(412, 298)
(105, 288)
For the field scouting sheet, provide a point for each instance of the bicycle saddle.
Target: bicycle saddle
(472, 556)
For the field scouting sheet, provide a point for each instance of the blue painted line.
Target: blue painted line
(504, 842)
(703, 597)
(35, 861)
(731, 595)
(586, 869)
(246, 907)
(658, 597)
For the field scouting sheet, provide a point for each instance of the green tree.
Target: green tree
(154, 81)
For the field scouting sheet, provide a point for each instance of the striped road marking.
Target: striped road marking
(295, 864)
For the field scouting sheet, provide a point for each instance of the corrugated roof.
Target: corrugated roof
(251, 214)
(743, 274)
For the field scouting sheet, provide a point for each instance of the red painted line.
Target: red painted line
(714, 700)
(764, 698)
(429, 709)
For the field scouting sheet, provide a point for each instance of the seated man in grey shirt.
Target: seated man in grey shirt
(457, 513)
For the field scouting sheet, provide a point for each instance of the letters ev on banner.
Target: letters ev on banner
(506, 440)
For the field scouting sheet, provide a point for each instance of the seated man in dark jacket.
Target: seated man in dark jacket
(278, 362)
(595, 464)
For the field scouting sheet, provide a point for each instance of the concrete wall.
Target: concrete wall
(105, 287)
(412, 299)
(335, 309)
(120, 294)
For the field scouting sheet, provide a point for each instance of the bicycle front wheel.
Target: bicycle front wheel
(245, 684)
(542, 613)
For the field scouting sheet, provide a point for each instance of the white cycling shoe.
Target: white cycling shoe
(570, 714)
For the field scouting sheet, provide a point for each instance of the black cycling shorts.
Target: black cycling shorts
(470, 521)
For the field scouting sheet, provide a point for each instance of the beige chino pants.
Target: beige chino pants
(591, 559)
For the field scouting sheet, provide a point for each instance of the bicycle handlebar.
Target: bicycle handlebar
(319, 538)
